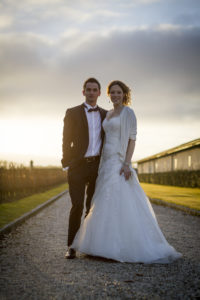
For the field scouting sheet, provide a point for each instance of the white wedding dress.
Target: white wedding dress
(121, 224)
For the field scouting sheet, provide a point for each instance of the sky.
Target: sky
(48, 48)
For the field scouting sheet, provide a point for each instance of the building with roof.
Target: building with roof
(183, 157)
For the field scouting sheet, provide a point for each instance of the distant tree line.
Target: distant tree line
(18, 181)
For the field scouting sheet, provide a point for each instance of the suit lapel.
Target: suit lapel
(85, 122)
(101, 114)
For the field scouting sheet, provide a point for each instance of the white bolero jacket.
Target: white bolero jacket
(128, 130)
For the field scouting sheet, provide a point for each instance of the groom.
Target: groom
(82, 144)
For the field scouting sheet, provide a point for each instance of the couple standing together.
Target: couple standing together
(97, 149)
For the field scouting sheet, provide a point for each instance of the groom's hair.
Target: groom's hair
(91, 79)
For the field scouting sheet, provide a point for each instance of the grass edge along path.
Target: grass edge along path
(188, 197)
(13, 210)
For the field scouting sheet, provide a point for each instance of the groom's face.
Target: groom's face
(91, 93)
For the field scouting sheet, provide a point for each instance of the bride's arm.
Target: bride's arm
(129, 153)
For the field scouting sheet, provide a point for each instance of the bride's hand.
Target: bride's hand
(127, 172)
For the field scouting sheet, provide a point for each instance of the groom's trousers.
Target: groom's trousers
(81, 178)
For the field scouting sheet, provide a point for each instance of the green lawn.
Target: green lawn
(189, 197)
(13, 210)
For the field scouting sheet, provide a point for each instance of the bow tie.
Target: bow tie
(92, 109)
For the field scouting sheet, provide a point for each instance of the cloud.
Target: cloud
(13, 3)
(161, 66)
(187, 18)
(54, 17)
(147, 1)
(5, 21)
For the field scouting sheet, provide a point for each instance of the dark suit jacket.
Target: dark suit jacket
(76, 135)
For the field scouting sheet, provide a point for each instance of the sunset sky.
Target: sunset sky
(49, 47)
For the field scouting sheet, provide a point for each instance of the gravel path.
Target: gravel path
(33, 264)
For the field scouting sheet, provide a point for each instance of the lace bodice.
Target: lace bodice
(112, 136)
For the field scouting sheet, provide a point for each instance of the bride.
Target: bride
(121, 224)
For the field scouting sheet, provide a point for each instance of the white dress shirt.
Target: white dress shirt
(94, 128)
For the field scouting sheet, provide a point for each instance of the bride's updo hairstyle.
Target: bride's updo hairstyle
(126, 90)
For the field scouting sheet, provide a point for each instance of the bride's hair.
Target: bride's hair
(126, 90)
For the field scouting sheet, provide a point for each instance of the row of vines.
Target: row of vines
(17, 181)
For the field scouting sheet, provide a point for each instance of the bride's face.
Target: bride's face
(116, 95)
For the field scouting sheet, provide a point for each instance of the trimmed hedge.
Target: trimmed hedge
(178, 178)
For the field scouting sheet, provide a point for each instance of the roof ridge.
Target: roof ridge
(181, 147)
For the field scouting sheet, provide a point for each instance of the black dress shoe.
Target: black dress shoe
(71, 253)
